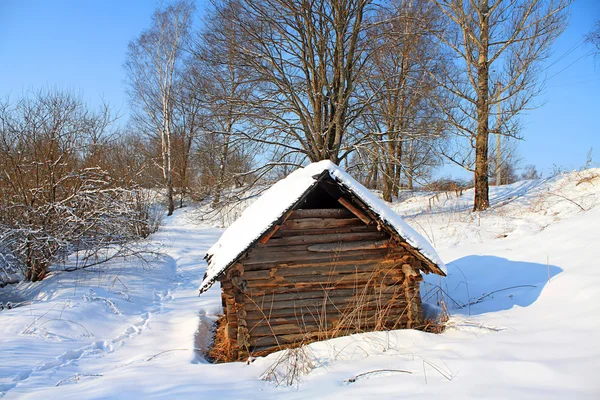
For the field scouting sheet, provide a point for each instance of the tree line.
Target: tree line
(388, 89)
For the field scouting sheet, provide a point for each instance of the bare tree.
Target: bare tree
(151, 66)
(498, 46)
(189, 117)
(224, 83)
(308, 56)
(594, 36)
(402, 119)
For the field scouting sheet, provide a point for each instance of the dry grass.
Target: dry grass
(589, 178)
(373, 307)
(222, 349)
(290, 367)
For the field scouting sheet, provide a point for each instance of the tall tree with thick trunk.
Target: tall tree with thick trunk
(498, 46)
(152, 61)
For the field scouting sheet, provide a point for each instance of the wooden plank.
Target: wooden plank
(354, 210)
(324, 238)
(320, 223)
(321, 213)
(351, 246)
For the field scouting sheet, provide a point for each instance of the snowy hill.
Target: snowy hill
(522, 292)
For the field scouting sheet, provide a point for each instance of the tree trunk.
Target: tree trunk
(410, 170)
(222, 169)
(482, 201)
(167, 164)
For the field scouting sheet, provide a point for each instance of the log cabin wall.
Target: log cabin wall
(323, 273)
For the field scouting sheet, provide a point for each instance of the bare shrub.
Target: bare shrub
(58, 194)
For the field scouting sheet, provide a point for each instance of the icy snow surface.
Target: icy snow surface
(257, 218)
(522, 291)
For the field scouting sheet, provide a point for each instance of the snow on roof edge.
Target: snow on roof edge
(283, 195)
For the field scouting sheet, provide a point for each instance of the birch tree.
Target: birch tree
(152, 62)
(498, 46)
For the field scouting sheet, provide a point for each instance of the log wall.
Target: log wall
(322, 273)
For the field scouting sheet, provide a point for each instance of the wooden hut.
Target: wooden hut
(316, 256)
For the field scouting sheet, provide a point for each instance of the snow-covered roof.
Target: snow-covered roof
(259, 217)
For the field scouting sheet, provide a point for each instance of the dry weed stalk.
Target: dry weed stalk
(290, 367)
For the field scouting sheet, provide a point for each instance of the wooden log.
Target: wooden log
(354, 210)
(267, 288)
(351, 246)
(270, 249)
(325, 238)
(360, 279)
(323, 309)
(309, 294)
(307, 337)
(324, 294)
(321, 213)
(281, 339)
(366, 300)
(290, 256)
(331, 246)
(324, 326)
(320, 223)
(394, 259)
(282, 285)
(330, 270)
(392, 311)
(325, 231)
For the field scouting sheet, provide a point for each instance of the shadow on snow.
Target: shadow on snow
(481, 284)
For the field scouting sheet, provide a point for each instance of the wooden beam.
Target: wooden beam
(354, 210)
(269, 234)
(275, 228)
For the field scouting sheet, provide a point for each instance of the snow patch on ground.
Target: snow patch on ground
(522, 290)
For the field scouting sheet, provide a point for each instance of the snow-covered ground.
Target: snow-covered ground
(523, 293)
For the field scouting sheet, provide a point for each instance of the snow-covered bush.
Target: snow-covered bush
(60, 193)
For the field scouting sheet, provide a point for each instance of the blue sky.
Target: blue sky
(81, 44)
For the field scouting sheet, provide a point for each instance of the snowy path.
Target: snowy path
(530, 268)
(88, 348)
